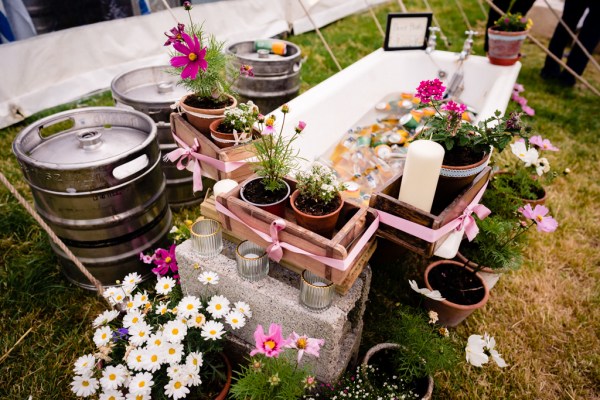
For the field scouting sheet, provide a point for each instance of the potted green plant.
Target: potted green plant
(275, 158)
(467, 146)
(162, 345)
(236, 127)
(199, 59)
(275, 369)
(317, 201)
(506, 37)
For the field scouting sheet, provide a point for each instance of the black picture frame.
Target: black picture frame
(405, 30)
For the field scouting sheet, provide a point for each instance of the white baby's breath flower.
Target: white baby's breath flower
(209, 277)
(188, 306)
(105, 318)
(84, 386)
(164, 285)
(212, 330)
(218, 306)
(112, 377)
(196, 321)
(102, 336)
(141, 383)
(173, 352)
(475, 353)
(432, 294)
(176, 389)
(236, 319)
(84, 365)
(244, 308)
(132, 317)
(175, 331)
(139, 333)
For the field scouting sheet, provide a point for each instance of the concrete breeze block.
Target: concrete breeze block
(275, 299)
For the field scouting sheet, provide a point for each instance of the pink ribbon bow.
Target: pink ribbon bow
(275, 251)
(468, 222)
(189, 155)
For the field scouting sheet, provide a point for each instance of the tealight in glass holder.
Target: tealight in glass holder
(207, 237)
(316, 293)
(252, 261)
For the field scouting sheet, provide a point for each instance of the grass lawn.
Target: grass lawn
(545, 317)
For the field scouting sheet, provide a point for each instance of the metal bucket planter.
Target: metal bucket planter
(97, 182)
(276, 77)
(152, 91)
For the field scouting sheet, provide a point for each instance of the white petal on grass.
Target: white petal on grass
(432, 294)
(475, 353)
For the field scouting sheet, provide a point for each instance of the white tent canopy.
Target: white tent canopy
(62, 66)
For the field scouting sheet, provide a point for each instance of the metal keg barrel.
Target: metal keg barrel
(96, 180)
(152, 91)
(276, 78)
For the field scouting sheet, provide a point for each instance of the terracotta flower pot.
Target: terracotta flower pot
(540, 200)
(200, 118)
(489, 276)
(275, 207)
(449, 313)
(223, 394)
(505, 47)
(387, 346)
(223, 139)
(321, 224)
(454, 179)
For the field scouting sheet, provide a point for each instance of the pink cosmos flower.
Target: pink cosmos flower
(165, 260)
(453, 107)
(543, 144)
(304, 344)
(193, 58)
(518, 87)
(269, 126)
(528, 110)
(270, 345)
(146, 259)
(429, 90)
(246, 70)
(176, 35)
(538, 215)
(300, 127)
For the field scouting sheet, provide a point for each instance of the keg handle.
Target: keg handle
(296, 67)
(131, 167)
(56, 126)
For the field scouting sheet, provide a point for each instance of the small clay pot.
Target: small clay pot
(223, 139)
(320, 224)
(223, 394)
(277, 207)
(505, 47)
(489, 276)
(200, 118)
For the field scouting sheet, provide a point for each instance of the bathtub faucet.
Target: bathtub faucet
(467, 46)
(432, 41)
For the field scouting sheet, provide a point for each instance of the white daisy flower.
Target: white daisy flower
(156, 340)
(161, 308)
(139, 333)
(85, 364)
(132, 279)
(192, 375)
(244, 308)
(212, 330)
(153, 359)
(138, 396)
(165, 284)
(196, 320)
(194, 359)
(236, 319)
(141, 299)
(173, 352)
(175, 370)
(109, 292)
(132, 318)
(432, 294)
(118, 296)
(141, 383)
(209, 277)
(84, 386)
(112, 377)
(102, 336)
(135, 359)
(130, 305)
(218, 306)
(175, 331)
(176, 389)
(188, 306)
(105, 318)
(111, 394)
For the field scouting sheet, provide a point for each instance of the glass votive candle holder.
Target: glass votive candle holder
(207, 237)
(316, 293)
(252, 261)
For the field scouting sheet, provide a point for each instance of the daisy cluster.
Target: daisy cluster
(157, 343)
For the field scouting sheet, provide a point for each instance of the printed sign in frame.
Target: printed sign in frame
(407, 31)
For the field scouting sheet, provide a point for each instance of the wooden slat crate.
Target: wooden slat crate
(186, 132)
(444, 211)
(353, 222)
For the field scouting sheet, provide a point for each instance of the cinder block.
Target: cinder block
(275, 299)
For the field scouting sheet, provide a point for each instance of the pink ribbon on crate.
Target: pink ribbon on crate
(185, 152)
(433, 235)
(275, 249)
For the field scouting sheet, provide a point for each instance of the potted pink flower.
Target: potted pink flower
(506, 37)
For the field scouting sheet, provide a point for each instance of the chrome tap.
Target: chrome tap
(432, 41)
(467, 46)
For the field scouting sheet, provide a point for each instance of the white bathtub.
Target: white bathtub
(338, 103)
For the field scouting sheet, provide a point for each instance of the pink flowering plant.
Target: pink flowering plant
(512, 23)
(521, 100)
(275, 369)
(449, 127)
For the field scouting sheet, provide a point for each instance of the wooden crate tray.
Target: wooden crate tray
(443, 212)
(186, 132)
(353, 222)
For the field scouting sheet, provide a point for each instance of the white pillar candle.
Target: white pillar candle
(224, 186)
(421, 173)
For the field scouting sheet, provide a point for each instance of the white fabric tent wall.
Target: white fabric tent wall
(62, 66)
